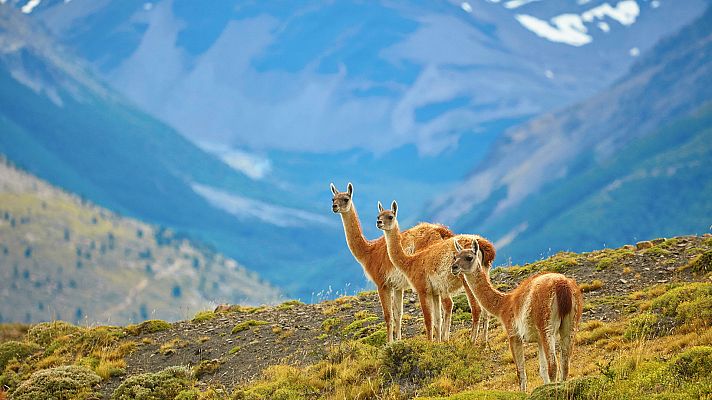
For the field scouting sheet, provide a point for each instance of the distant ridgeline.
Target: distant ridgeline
(64, 258)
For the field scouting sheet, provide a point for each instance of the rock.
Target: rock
(645, 244)
(662, 280)
(624, 281)
(658, 241)
(629, 247)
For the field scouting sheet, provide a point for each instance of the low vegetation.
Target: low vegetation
(658, 345)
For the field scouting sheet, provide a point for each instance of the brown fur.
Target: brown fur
(427, 271)
(540, 293)
(373, 256)
(563, 298)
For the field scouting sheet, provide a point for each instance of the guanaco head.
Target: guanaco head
(387, 218)
(341, 202)
(467, 260)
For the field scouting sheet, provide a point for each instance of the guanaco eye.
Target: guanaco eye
(390, 217)
(468, 258)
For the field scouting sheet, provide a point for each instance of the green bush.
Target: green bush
(206, 367)
(245, 325)
(645, 325)
(166, 384)
(330, 323)
(16, 350)
(149, 326)
(203, 316)
(570, 390)
(376, 339)
(702, 263)
(46, 332)
(414, 362)
(693, 363)
(690, 304)
(60, 383)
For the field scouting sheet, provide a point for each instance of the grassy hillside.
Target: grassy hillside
(62, 257)
(647, 333)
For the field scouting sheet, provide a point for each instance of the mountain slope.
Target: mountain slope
(572, 177)
(62, 125)
(65, 258)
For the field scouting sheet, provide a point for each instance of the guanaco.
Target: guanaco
(543, 308)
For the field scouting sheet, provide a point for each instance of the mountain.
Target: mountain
(300, 76)
(63, 257)
(59, 122)
(642, 337)
(631, 162)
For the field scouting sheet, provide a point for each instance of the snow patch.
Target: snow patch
(512, 4)
(625, 12)
(570, 28)
(246, 208)
(466, 7)
(511, 235)
(254, 166)
(30, 5)
(565, 28)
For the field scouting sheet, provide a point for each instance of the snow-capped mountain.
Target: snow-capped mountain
(300, 76)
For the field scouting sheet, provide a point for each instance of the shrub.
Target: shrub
(66, 382)
(166, 384)
(590, 287)
(46, 332)
(245, 325)
(689, 304)
(149, 326)
(570, 390)
(330, 323)
(376, 339)
(16, 350)
(702, 262)
(203, 316)
(288, 305)
(361, 327)
(643, 326)
(206, 367)
(695, 363)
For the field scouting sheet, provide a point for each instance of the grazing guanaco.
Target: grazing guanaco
(543, 308)
(428, 271)
(373, 257)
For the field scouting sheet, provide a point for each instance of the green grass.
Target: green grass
(245, 325)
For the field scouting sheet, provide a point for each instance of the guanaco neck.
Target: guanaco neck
(394, 247)
(358, 244)
(491, 299)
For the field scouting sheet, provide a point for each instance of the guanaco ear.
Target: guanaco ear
(458, 248)
(333, 188)
(394, 208)
(350, 189)
(479, 254)
(380, 207)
